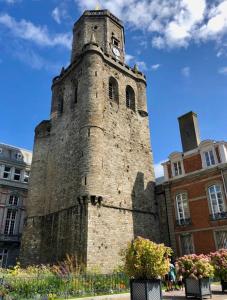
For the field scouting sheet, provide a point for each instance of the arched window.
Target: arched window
(130, 97)
(182, 209)
(216, 200)
(113, 89)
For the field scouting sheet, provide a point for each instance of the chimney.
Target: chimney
(189, 130)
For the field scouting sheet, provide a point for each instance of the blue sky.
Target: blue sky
(181, 45)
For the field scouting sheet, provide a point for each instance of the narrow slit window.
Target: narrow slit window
(60, 105)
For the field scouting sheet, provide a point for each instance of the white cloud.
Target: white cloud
(28, 31)
(56, 15)
(223, 71)
(172, 23)
(158, 169)
(141, 65)
(60, 13)
(186, 71)
(129, 58)
(35, 61)
(12, 1)
(155, 67)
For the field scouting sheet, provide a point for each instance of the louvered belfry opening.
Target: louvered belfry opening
(113, 89)
(130, 97)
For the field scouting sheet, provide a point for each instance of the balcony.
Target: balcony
(10, 238)
(183, 222)
(218, 216)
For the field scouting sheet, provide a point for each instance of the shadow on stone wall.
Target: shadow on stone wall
(145, 217)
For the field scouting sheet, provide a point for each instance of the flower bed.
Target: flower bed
(219, 262)
(61, 281)
(195, 266)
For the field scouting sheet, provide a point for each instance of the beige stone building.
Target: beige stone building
(14, 174)
(92, 180)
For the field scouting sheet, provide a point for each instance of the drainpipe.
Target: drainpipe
(224, 184)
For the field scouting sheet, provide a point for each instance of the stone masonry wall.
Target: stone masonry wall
(95, 184)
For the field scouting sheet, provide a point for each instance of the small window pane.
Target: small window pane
(26, 176)
(186, 244)
(216, 199)
(182, 207)
(17, 174)
(209, 157)
(221, 239)
(7, 172)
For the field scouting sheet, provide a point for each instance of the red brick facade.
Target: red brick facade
(201, 229)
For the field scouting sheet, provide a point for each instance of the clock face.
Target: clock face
(116, 52)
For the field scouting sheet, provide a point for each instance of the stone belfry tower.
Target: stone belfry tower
(92, 182)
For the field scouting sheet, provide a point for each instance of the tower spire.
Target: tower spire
(97, 7)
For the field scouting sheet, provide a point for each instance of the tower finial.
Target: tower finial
(97, 7)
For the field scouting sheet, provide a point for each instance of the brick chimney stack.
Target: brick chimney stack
(189, 130)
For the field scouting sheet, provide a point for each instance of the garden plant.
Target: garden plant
(146, 262)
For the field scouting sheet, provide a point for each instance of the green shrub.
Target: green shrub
(144, 259)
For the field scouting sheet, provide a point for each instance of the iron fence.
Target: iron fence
(56, 287)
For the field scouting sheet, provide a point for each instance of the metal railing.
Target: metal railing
(53, 287)
(218, 216)
(183, 222)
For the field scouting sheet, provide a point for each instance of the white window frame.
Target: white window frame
(177, 168)
(216, 233)
(181, 199)
(216, 199)
(26, 176)
(4, 254)
(209, 158)
(17, 174)
(15, 199)
(191, 246)
(178, 162)
(10, 221)
(7, 172)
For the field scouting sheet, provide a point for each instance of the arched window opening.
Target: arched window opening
(216, 199)
(113, 89)
(130, 97)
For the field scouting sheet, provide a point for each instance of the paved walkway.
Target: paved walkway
(174, 295)
(180, 295)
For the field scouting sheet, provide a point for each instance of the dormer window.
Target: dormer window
(19, 156)
(177, 168)
(209, 158)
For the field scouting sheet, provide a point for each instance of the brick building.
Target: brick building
(194, 191)
(14, 174)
